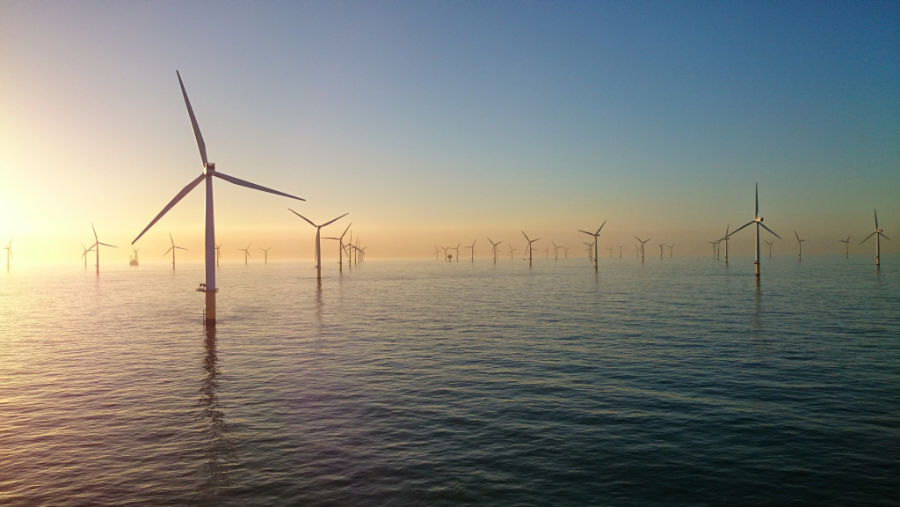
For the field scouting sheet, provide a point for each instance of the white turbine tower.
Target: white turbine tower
(172, 249)
(494, 248)
(595, 234)
(209, 170)
(530, 243)
(758, 220)
(340, 240)
(318, 233)
(97, 244)
(878, 233)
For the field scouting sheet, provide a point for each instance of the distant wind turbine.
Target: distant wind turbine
(512, 251)
(642, 242)
(209, 170)
(770, 243)
(266, 254)
(661, 246)
(318, 232)
(800, 245)
(457, 250)
(595, 234)
(8, 249)
(725, 239)
(494, 248)
(555, 251)
(340, 240)
(218, 253)
(83, 254)
(472, 248)
(758, 220)
(530, 244)
(671, 249)
(133, 258)
(172, 249)
(878, 233)
(846, 243)
(98, 244)
(246, 253)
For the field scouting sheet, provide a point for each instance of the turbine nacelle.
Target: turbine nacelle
(758, 219)
(210, 167)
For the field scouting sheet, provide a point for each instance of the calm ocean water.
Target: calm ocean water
(410, 383)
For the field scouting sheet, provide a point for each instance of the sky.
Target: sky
(443, 122)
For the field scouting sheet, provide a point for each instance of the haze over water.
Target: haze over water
(417, 382)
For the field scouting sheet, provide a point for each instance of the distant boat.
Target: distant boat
(133, 259)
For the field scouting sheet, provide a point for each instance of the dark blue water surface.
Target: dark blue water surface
(409, 382)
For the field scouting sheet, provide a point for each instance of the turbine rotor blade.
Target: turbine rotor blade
(243, 183)
(741, 227)
(184, 191)
(866, 238)
(756, 213)
(600, 228)
(345, 230)
(106, 244)
(876, 218)
(304, 218)
(885, 236)
(586, 232)
(167, 251)
(197, 134)
(770, 230)
(335, 220)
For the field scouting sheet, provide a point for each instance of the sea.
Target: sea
(679, 381)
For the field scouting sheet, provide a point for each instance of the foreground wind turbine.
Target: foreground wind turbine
(642, 242)
(494, 248)
(83, 254)
(172, 249)
(846, 243)
(209, 170)
(595, 234)
(758, 220)
(246, 253)
(800, 245)
(878, 233)
(340, 240)
(530, 243)
(318, 232)
(97, 244)
(8, 249)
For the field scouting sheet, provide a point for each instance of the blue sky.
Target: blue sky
(438, 122)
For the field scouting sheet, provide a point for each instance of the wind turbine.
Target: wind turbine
(512, 251)
(494, 248)
(133, 258)
(436, 251)
(770, 243)
(209, 170)
(846, 243)
(340, 240)
(661, 245)
(451, 248)
(246, 253)
(98, 243)
(472, 247)
(799, 244)
(595, 234)
(642, 242)
(8, 249)
(266, 254)
(83, 254)
(588, 245)
(758, 220)
(715, 249)
(318, 232)
(671, 249)
(555, 251)
(725, 239)
(218, 253)
(530, 243)
(172, 249)
(878, 233)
